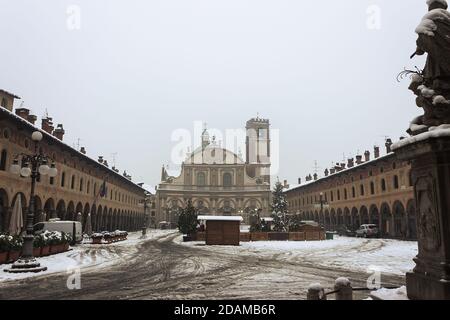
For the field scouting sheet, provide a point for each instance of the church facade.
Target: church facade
(218, 181)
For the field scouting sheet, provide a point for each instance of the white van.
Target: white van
(67, 227)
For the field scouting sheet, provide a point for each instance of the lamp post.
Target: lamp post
(144, 227)
(39, 166)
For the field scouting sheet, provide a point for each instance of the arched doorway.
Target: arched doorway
(61, 210)
(347, 217)
(356, 221)
(79, 212)
(70, 215)
(412, 223)
(49, 210)
(364, 214)
(399, 220)
(374, 215)
(86, 212)
(94, 217)
(386, 220)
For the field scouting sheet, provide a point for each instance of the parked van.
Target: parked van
(68, 227)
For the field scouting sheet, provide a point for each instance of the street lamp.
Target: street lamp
(39, 166)
(144, 227)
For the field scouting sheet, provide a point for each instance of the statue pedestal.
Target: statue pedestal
(430, 173)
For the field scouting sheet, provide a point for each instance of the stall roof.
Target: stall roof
(220, 218)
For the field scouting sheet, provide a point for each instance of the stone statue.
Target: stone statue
(432, 85)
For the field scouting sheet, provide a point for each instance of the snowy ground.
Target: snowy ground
(342, 253)
(87, 256)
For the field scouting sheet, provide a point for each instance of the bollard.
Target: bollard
(316, 292)
(344, 289)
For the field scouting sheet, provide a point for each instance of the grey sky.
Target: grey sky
(137, 70)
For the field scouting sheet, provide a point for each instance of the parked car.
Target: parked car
(346, 231)
(68, 227)
(367, 231)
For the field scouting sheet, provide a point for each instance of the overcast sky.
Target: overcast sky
(131, 72)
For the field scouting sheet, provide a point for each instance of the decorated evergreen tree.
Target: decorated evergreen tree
(279, 209)
(187, 220)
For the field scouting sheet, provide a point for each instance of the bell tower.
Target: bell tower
(258, 148)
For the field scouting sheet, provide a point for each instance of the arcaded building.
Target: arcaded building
(218, 181)
(75, 191)
(369, 190)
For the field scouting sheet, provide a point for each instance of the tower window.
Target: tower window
(396, 185)
(201, 179)
(227, 179)
(3, 157)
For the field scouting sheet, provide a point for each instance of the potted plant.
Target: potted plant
(56, 244)
(97, 238)
(187, 221)
(66, 240)
(108, 237)
(15, 248)
(45, 250)
(5, 243)
(38, 243)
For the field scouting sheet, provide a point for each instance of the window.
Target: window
(63, 179)
(394, 165)
(353, 192)
(88, 186)
(395, 182)
(410, 179)
(201, 179)
(52, 180)
(95, 189)
(339, 195)
(372, 188)
(72, 183)
(345, 194)
(81, 184)
(3, 158)
(332, 196)
(383, 185)
(227, 179)
(4, 103)
(361, 190)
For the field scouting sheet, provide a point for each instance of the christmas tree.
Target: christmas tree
(279, 209)
(187, 221)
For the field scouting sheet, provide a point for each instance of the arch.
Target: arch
(105, 219)
(110, 219)
(4, 207)
(399, 216)
(347, 217)
(71, 211)
(94, 217)
(364, 215)
(327, 220)
(61, 209)
(86, 211)
(78, 212)
(386, 220)
(340, 217)
(412, 223)
(99, 224)
(374, 215)
(356, 221)
(49, 210)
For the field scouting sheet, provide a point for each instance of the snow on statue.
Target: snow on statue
(432, 85)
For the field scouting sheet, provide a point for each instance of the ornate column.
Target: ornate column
(428, 149)
(430, 169)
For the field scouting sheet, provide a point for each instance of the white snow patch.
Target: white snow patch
(433, 132)
(86, 256)
(390, 294)
(428, 26)
(440, 100)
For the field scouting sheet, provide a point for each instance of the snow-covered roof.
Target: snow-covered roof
(9, 94)
(220, 218)
(62, 143)
(433, 132)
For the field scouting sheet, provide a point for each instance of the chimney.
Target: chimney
(83, 150)
(342, 166)
(105, 163)
(59, 132)
(367, 155)
(23, 113)
(338, 167)
(350, 163)
(376, 152)
(332, 170)
(32, 119)
(285, 183)
(358, 159)
(326, 172)
(47, 125)
(100, 159)
(388, 145)
(299, 180)
(315, 176)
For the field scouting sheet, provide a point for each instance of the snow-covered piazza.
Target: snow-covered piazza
(164, 267)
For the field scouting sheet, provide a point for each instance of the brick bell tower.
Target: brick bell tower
(258, 148)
